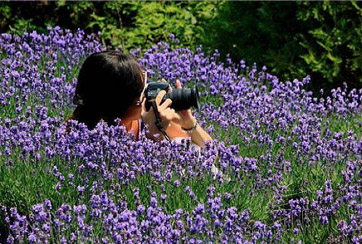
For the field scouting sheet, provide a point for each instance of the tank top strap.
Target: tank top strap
(142, 126)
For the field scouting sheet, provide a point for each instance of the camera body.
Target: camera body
(182, 98)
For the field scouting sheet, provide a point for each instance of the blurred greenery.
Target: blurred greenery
(293, 39)
(322, 39)
(124, 25)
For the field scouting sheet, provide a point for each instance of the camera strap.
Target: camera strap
(158, 122)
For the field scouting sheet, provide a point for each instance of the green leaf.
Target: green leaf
(97, 18)
(324, 46)
(354, 4)
(336, 60)
(319, 33)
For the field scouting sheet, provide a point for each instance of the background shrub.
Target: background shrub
(125, 25)
(322, 39)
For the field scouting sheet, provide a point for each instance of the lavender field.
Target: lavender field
(289, 166)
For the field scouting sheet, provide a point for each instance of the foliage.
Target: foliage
(332, 46)
(322, 39)
(256, 32)
(124, 25)
(155, 21)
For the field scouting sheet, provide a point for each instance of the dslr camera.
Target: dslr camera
(182, 98)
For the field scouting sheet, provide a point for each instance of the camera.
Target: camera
(182, 98)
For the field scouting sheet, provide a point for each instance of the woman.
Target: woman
(111, 85)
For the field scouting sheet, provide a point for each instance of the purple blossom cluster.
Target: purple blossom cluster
(39, 69)
(116, 223)
(284, 163)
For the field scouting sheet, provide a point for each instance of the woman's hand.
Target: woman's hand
(185, 118)
(166, 113)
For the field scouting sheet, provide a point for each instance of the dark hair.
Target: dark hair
(108, 83)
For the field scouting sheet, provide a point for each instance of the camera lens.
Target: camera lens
(183, 98)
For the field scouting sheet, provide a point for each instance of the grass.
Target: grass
(26, 182)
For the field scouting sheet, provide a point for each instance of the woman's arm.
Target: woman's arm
(199, 136)
(186, 120)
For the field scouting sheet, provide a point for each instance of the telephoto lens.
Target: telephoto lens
(183, 98)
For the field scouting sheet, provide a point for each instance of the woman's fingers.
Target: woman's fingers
(159, 97)
(167, 114)
(165, 104)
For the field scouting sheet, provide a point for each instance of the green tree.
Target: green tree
(322, 39)
(124, 25)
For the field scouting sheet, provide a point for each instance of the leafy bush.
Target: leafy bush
(126, 25)
(323, 39)
(332, 45)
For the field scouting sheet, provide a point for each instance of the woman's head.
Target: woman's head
(108, 85)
